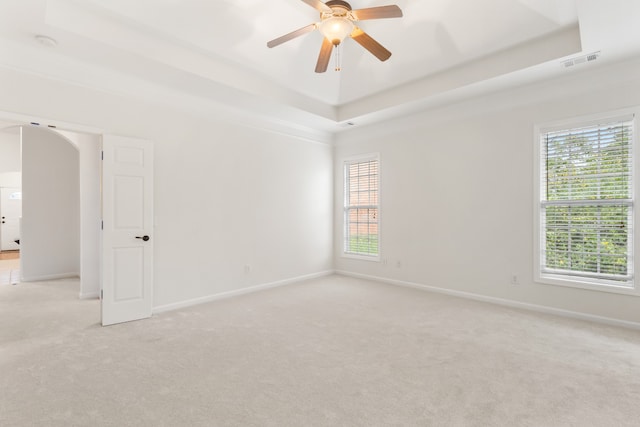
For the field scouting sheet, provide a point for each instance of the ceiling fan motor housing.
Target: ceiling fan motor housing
(339, 7)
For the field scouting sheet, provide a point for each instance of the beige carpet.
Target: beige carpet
(329, 352)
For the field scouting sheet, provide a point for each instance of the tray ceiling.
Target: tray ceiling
(216, 50)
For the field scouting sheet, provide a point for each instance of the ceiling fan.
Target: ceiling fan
(337, 21)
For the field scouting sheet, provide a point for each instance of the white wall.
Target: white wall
(9, 150)
(229, 197)
(11, 179)
(457, 191)
(89, 147)
(226, 195)
(50, 237)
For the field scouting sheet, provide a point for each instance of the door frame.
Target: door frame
(52, 125)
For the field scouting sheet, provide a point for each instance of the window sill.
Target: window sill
(370, 258)
(549, 279)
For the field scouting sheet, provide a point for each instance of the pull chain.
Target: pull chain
(338, 58)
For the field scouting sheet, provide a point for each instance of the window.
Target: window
(361, 199)
(586, 205)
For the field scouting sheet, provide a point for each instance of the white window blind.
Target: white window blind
(587, 203)
(361, 207)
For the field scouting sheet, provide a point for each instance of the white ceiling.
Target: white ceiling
(215, 51)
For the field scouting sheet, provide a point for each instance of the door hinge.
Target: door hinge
(101, 225)
(101, 293)
(102, 155)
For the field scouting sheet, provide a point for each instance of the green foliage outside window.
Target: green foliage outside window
(364, 244)
(588, 201)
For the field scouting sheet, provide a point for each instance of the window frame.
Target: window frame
(345, 207)
(631, 287)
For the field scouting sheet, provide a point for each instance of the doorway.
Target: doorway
(60, 180)
(10, 213)
(10, 203)
(127, 286)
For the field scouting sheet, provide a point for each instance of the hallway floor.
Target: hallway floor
(9, 268)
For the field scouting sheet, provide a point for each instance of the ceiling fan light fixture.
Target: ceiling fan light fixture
(337, 21)
(336, 29)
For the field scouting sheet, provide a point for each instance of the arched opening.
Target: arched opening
(59, 228)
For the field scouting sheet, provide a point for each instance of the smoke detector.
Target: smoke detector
(46, 40)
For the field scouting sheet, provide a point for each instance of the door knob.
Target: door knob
(145, 238)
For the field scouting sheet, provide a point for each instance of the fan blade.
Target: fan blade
(370, 44)
(318, 5)
(325, 56)
(392, 11)
(291, 35)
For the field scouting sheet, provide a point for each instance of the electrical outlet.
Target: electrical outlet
(514, 279)
(247, 269)
(398, 264)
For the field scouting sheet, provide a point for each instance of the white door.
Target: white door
(127, 238)
(10, 211)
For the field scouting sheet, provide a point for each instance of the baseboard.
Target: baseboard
(229, 294)
(498, 301)
(49, 277)
(90, 295)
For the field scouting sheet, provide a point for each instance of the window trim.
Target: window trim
(346, 161)
(574, 281)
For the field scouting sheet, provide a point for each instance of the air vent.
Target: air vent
(347, 124)
(579, 60)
